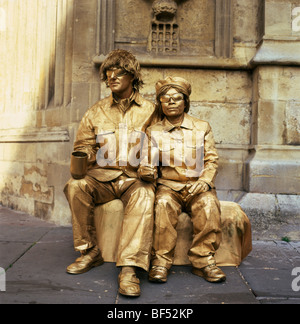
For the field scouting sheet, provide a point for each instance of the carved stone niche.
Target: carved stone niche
(185, 33)
(164, 30)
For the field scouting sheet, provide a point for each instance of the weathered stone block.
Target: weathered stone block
(271, 122)
(80, 103)
(279, 83)
(53, 152)
(217, 85)
(58, 175)
(230, 175)
(245, 30)
(230, 122)
(17, 152)
(274, 170)
(150, 77)
(278, 18)
(292, 134)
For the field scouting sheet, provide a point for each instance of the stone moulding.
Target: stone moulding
(33, 135)
(278, 52)
(185, 62)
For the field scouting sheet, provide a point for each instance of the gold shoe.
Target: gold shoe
(210, 273)
(86, 262)
(129, 284)
(158, 274)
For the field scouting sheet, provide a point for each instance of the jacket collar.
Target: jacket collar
(135, 96)
(187, 123)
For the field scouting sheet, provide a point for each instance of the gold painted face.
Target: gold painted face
(167, 98)
(120, 82)
(118, 74)
(173, 103)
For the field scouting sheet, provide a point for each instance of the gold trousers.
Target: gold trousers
(205, 213)
(135, 241)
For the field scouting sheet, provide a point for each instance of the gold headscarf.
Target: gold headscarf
(178, 82)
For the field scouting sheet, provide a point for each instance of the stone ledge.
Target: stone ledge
(186, 62)
(33, 135)
(278, 52)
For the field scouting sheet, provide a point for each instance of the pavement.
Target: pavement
(35, 254)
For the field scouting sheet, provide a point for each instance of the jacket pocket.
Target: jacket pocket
(106, 136)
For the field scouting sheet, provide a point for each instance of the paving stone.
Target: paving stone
(35, 255)
(268, 270)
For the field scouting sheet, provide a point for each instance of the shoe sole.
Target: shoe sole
(200, 274)
(157, 280)
(96, 264)
(124, 293)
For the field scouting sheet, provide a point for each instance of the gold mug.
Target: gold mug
(78, 165)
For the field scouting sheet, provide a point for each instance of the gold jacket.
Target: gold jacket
(193, 136)
(111, 131)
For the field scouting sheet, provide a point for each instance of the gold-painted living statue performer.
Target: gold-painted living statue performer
(109, 135)
(183, 149)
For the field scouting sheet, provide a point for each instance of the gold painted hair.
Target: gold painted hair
(122, 59)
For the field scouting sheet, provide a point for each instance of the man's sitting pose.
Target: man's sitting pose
(183, 146)
(109, 133)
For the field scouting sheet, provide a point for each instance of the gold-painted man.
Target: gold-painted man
(110, 133)
(184, 149)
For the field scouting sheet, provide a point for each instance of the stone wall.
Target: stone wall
(242, 58)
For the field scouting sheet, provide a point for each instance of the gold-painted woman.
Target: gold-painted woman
(181, 149)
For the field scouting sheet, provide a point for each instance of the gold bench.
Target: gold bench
(236, 233)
